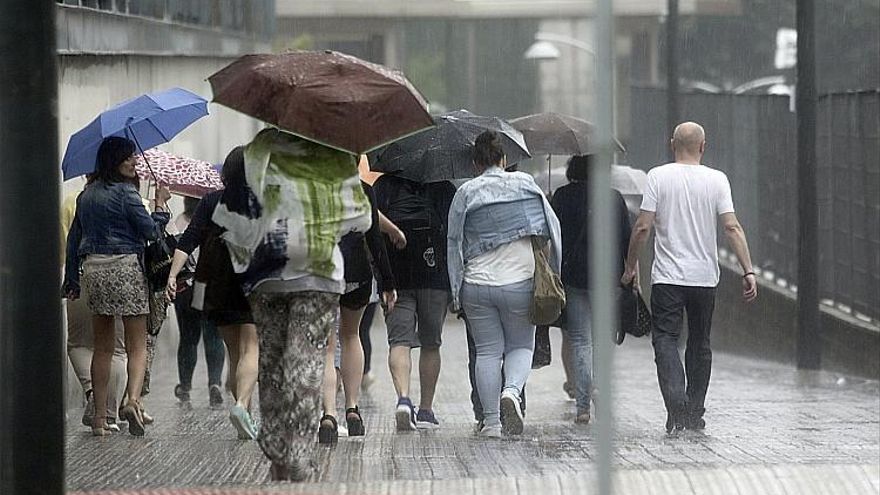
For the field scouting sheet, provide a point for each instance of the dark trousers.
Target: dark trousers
(472, 374)
(668, 304)
(193, 326)
(364, 331)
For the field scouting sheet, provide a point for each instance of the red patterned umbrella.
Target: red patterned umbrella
(182, 175)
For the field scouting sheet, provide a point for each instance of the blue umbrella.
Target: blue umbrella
(148, 120)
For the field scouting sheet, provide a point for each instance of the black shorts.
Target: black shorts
(357, 298)
(226, 317)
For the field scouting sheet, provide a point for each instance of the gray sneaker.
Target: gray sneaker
(511, 413)
(490, 432)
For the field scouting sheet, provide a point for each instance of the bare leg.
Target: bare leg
(329, 385)
(429, 372)
(100, 369)
(247, 367)
(231, 339)
(136, 348)
(400, 364)
(352, 354)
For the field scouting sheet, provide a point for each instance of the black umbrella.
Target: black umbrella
(445, 151)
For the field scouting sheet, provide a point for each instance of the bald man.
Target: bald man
(684, 202)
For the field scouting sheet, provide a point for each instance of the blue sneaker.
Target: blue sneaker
(243, 423)
(425, 420)
(405, 415)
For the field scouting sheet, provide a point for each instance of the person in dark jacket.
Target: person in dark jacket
(192, 324)
(571, 204)
(419, 267)
(232, 315)
(107, 240)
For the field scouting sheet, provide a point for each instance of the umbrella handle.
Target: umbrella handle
(549, 176)
(138, 144)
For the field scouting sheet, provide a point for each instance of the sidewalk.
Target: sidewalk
(770, 429)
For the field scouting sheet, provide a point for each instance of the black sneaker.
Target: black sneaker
(694, 419)
(215, 396)
(182, 393)
(674, 425)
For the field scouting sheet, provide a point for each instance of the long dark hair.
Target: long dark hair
(232, 173)
(112, 152)
(578, 168)
(237, 196)
(487, 150)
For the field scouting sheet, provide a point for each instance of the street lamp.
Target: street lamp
(544, 49)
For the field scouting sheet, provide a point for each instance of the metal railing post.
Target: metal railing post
(603, 302)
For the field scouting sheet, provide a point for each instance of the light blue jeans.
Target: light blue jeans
(499, 319)
(578, 326)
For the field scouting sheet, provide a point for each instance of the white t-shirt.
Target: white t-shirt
(507, 264)
(686, 200)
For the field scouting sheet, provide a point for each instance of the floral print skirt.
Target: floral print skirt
(115, 284)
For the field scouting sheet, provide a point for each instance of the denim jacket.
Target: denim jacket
(110, 219)
(496, 208)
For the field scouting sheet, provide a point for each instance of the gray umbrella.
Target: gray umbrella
(551, 133)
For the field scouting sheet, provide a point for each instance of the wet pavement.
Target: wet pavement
(770, 429)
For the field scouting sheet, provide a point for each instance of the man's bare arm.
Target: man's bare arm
(641, 231)
(736, 238)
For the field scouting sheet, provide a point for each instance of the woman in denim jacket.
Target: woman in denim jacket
(107, 241)
(491, 266)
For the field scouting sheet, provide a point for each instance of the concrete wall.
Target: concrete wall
(88, 84)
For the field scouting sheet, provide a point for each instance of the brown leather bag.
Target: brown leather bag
(548, 297)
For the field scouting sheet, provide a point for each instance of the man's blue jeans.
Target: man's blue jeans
(578, 326)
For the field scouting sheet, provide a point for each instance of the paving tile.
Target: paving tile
(770, 428)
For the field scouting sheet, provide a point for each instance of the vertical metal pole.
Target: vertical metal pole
(601, 255)
(31, 357)
(472, 66)
(809, 343)
(671, 68)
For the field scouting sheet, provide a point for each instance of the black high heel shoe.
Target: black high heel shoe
(328, 435)
(355, 422)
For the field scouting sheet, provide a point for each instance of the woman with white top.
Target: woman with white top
(491, 266)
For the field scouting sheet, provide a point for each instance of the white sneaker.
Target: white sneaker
(511, 413)
(490, 432)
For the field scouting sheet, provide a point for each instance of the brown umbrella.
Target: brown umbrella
(551, 133)
(328, 97)
(555, 134)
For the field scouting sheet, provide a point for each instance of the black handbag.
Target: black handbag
(634, 318)
(542, 355)
(157, 260)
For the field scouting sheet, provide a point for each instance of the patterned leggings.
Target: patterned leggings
(293, 329)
